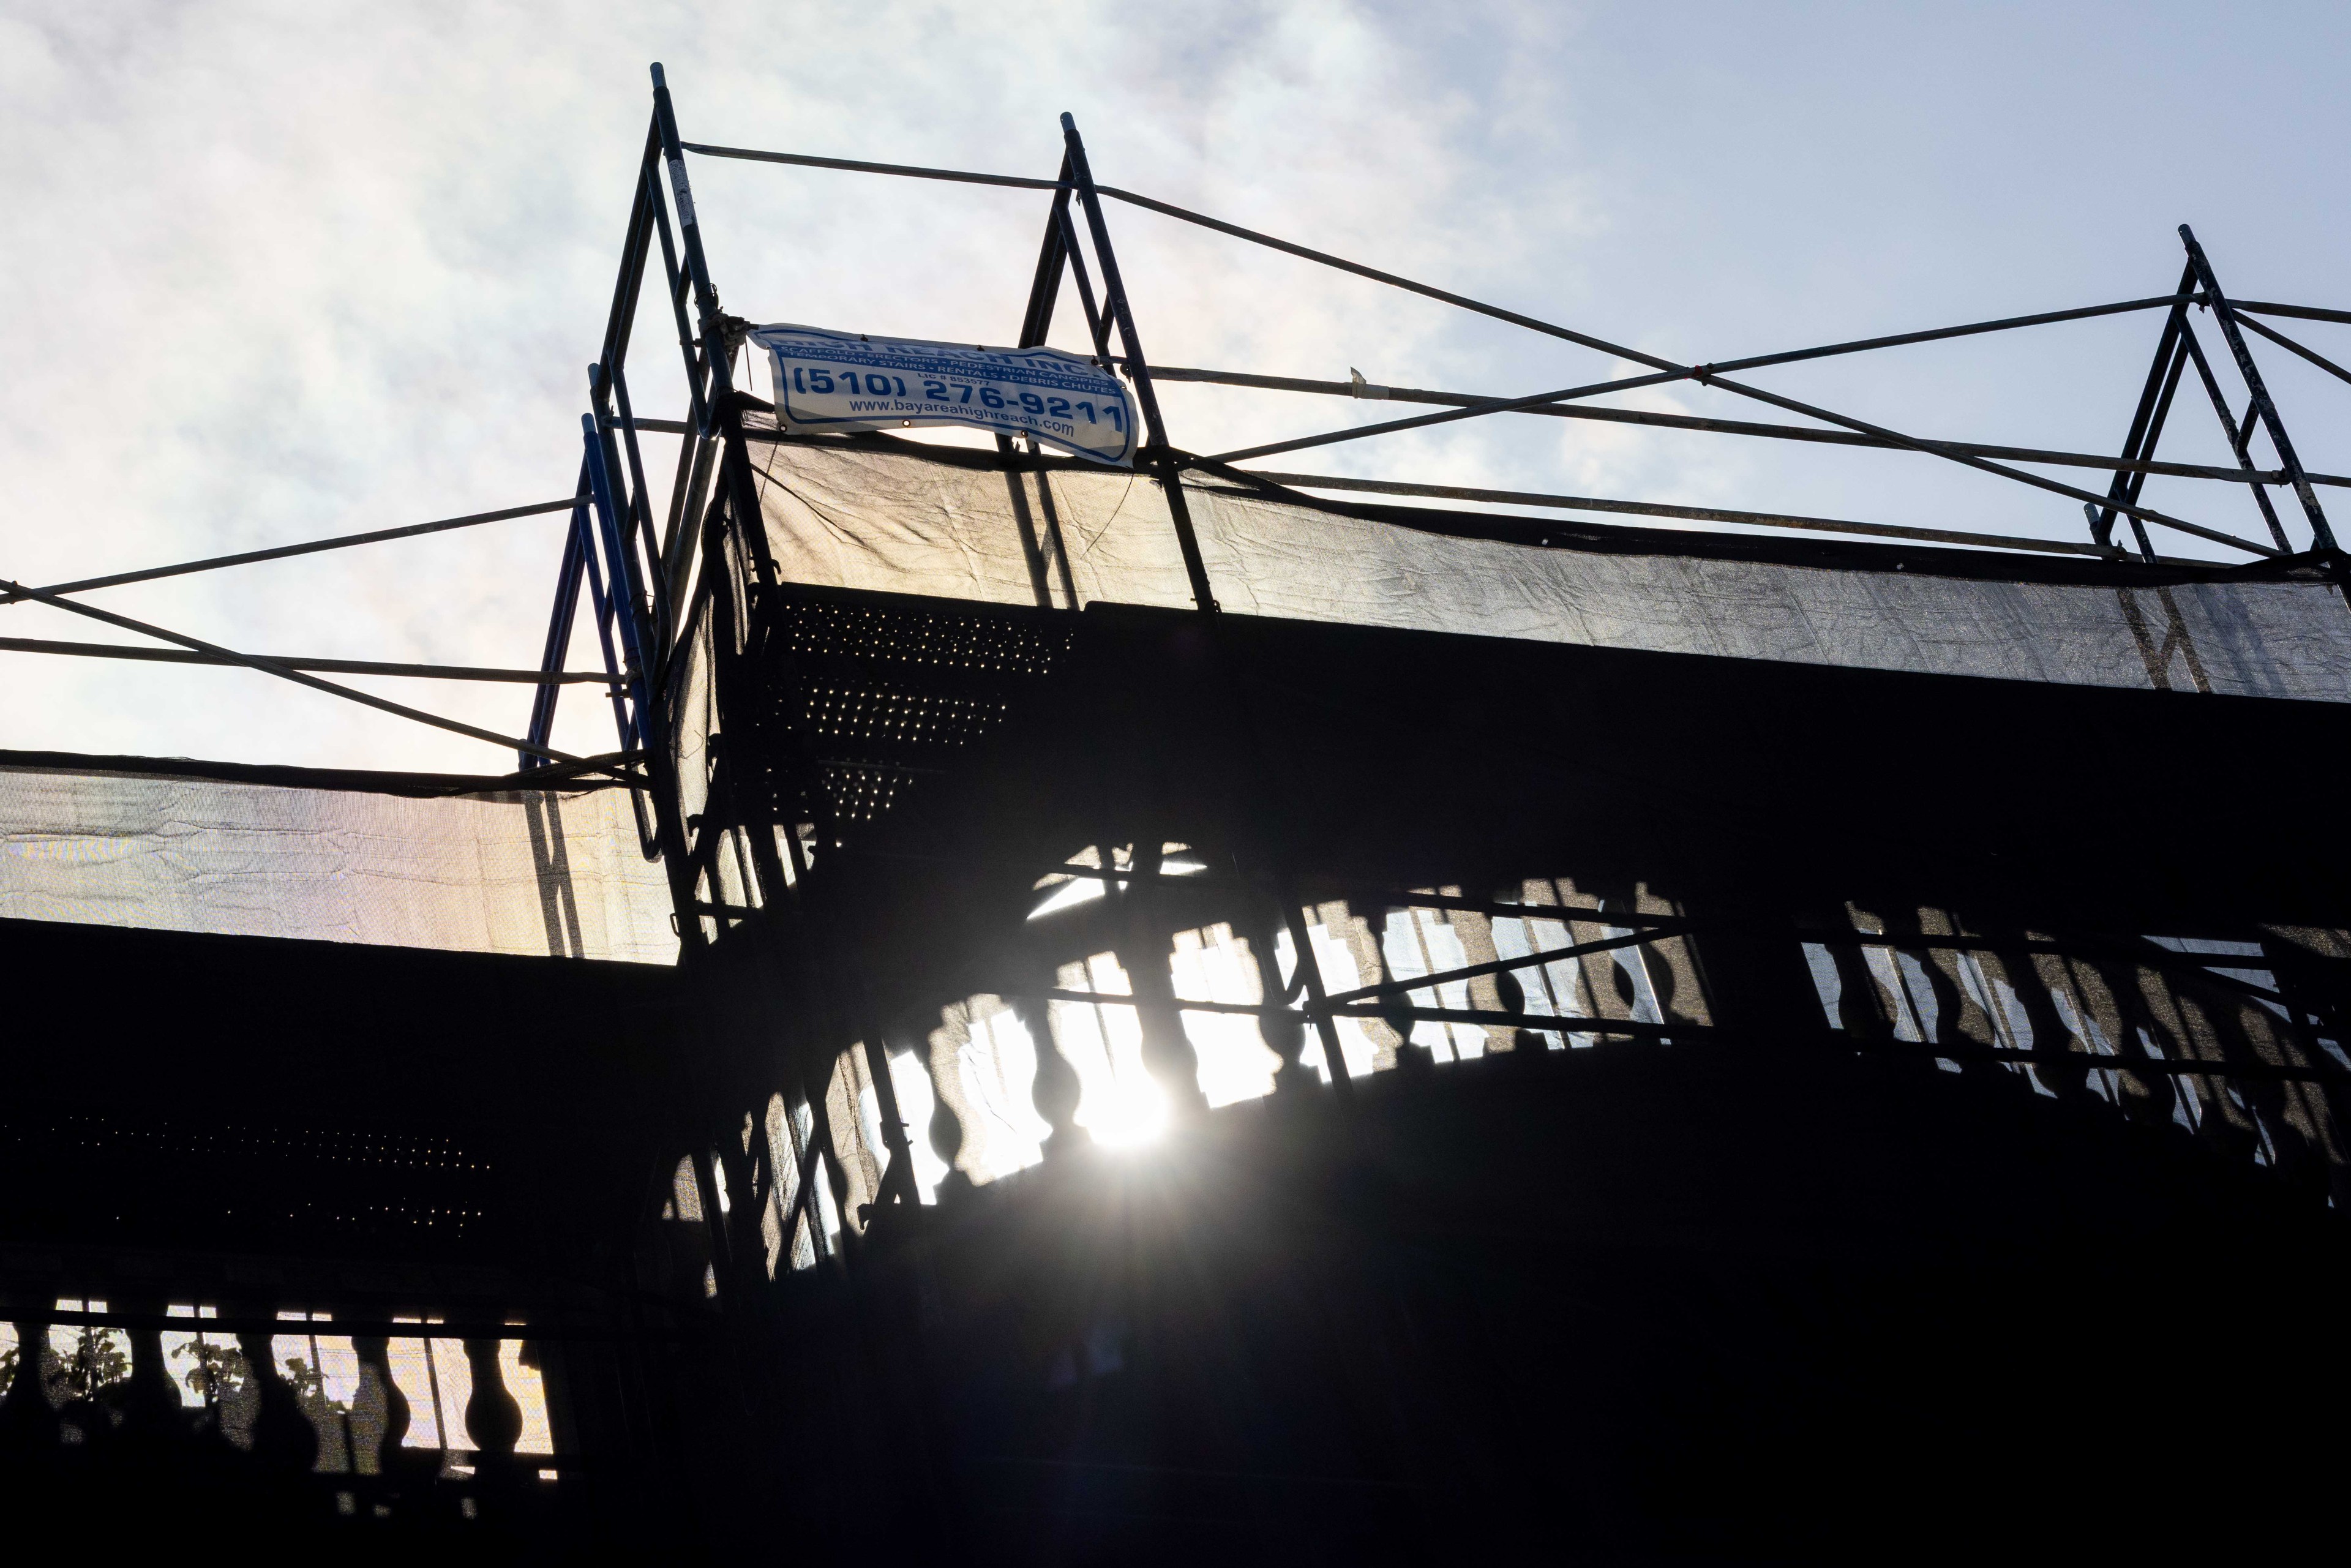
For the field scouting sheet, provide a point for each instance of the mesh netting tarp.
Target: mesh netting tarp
(531, 871)
(901, 520)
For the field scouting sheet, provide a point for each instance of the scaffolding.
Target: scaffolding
(963, 868)
(649, 565)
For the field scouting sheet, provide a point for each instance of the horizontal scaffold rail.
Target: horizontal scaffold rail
(1717, 427)
(1393, 1012)
(333, 666)
(1669, 510)
(2121, 502)
(282, 552)
(283, 672)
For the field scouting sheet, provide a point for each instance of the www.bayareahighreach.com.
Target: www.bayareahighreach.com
(898, 410)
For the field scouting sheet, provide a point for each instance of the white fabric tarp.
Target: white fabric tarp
(865, 518)
(537, 872)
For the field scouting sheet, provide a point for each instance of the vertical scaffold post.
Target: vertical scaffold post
(611, 386)
(558, 651)
(1046, 549)
(735, 460)
(627, 594)
(623, 599)
(1052, 260)
(1060, 253)
(1097, 325)
(615, 416)
(1116, 309)
(1318, 1001)
(2239, 434)
(1161, 458)
(2322, 537)
(693, 476)
(600, 612)
(743, 501)
(2147, 424)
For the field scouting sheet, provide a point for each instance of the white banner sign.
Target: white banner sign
(848, 381)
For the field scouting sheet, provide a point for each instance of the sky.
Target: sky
(275, 272)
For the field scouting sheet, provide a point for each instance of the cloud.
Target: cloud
(278, 271)
(287, 271)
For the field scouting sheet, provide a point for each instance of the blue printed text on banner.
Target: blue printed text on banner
(829, 380)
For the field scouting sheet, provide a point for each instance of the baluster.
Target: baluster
(2288, 958)
(2284, 1111)
(2041, 1027)
(82, 1417)
(717, 1239)
(815, 1075)
(844, 1123)
(2120, 1012)
(1284, 1034)
(836, 1182)
(774, 1178)
(380, 1418)
(1591, 985)
(150, 1401)
(1167, 1053)
(1670, 964)
(2039, 979)
(1945, 1014)
(1565, 980)
(1961, 1016)
(784, 1176)
(1526, 1047)
(493, 1419)
(945, 1130)
(283, 1438)
(1614, 994)
(1862, 1009)
(1057, 1089)
(1642, 965)
(1281, 1030)
(1412, 1058)
(27, 1421)
(2227, 1124)
(1366, 947)
(1476, 934)
(745, 1248)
